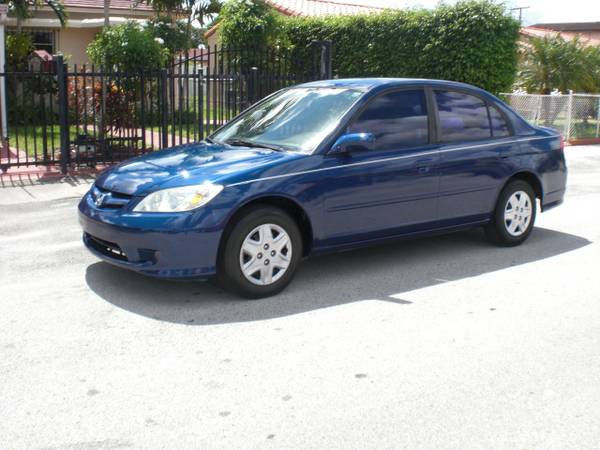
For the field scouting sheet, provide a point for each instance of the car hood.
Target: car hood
(190, 164)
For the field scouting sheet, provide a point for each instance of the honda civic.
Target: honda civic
(320, 167)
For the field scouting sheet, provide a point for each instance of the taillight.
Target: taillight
(562, 143)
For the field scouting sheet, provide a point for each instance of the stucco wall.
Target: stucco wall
(73, 42)
(213, 39)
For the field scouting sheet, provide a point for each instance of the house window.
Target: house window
(43, 39)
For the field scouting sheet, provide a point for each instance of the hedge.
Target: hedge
(472, 41)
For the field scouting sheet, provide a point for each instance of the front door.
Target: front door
(390, 187)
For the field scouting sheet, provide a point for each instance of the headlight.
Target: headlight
(179, 199)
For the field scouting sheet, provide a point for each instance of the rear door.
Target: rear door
(475, 155)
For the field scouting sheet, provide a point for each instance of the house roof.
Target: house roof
(314, 8)
(568, 31)
(114, 4)
(323, 7)
(570, 26)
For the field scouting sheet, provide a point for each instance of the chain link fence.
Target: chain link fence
(575, 116)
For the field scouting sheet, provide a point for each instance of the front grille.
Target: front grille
(106, 248)
(103, 198)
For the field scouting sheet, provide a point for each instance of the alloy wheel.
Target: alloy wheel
(265, 254)
(517, 213)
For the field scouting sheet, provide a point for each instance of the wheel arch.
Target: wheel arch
(292, 207)
(532, 179)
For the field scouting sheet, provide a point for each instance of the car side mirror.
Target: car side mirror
(347, 140)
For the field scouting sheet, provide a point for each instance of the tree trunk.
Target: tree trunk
(106, 13)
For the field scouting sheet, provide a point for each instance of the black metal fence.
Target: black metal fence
(83, 115)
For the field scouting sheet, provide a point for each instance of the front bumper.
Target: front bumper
(164, 245)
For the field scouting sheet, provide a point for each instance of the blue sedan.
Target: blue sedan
(321, 167)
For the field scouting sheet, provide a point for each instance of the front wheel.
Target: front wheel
(260, 252)
(514, 216)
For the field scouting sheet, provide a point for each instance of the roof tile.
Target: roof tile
(114, 4)
(323, 7)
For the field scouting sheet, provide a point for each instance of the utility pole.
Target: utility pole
(520, 9)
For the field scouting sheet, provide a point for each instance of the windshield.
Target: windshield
(296, 119)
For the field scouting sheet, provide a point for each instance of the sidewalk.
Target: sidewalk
(16, 189)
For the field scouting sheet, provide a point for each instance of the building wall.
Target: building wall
(73, 42)
(213, 39)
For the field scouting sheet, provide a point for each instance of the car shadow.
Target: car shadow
(382, 273)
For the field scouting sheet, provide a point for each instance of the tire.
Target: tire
(256, 241)
(507, 232)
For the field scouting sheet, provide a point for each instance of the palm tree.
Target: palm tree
(106, 13)
(550, 63)
(22, 10)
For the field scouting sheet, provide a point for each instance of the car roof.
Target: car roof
(371, 83)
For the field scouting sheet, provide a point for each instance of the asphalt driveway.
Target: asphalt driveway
(444, 342)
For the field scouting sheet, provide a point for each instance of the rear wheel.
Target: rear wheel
(514, 215)
(260, 252)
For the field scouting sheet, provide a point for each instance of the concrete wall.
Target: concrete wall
(73, 42)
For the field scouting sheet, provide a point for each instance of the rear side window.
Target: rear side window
(499, 125)
(463, 117)
(397, 119)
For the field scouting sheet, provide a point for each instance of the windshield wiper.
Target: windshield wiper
(245, 143)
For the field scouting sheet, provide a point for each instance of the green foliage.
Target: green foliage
(22, 9)
(18, 48)
(205, 11)
(244, 22)
(552, 62)
(472, 41)
(174, 35)
(127, 47)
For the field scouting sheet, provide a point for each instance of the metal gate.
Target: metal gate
(74, 116)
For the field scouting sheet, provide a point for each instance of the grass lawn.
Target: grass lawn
(579, 128)
(31, 139)
(582, 130)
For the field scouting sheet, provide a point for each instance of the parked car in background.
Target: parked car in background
(321, 167)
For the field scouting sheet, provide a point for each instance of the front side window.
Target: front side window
(462, 117)
(296, 119)
(397, 119)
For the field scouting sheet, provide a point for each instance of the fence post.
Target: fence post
(598, 119)
(569, 115)
(200, 74)
(252, 86)
(164, 108)
(324, 56)
(63, 113)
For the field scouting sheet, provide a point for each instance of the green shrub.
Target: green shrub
(472, 41)
(174, 35)
(127, 47)
(248, 22)
(18, 48)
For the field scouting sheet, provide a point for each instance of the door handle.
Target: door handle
(424, 169)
